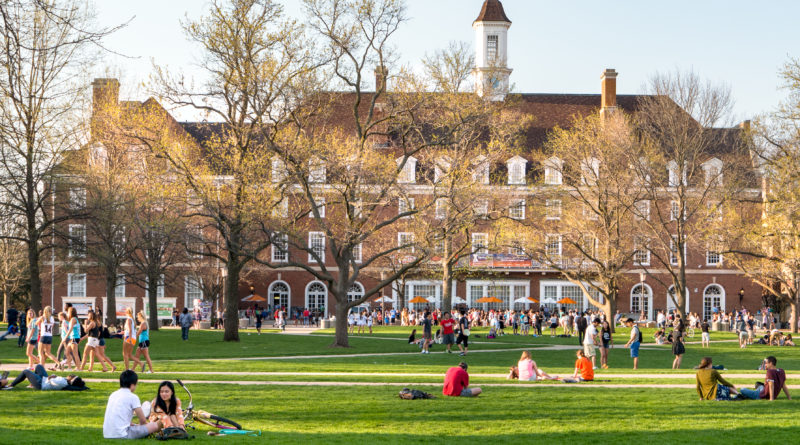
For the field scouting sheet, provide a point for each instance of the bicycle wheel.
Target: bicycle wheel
(223, 423)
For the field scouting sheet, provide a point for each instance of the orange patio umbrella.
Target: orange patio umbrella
(533, 300)
(489, 300)
(566, 300)
(419, 300)
(254, 298)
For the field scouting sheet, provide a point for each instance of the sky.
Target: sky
(554, 46)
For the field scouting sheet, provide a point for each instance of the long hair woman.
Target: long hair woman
(32, 339)
(46, 324)
(167, 407)
(128, 337)
(74, 335)
(678, 349)
(143, 333)
(605, 337)
(100, 350)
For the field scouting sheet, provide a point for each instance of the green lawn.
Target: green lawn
(374, 414)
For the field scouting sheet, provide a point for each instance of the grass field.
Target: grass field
(534, 413)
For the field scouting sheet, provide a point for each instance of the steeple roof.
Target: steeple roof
(492, 11)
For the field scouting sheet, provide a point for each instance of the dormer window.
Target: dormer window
(491, 47)
(712, 170)
(516, 170)
(480, 173)
(441, 168)
(674, 174)
(408, 175)
(552, 171)
(278, 170)
(316, 170)
(590, 171)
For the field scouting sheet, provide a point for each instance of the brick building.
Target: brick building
(711, 283)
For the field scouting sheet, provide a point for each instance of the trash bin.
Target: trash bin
(243, 322)
(725, 326)
(715, 326)
(325, 323)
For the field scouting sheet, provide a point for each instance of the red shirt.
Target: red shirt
(455, 381)
(447, 325)
(584, 365)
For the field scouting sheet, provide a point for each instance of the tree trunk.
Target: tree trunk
(340, 338)
(5, 306)
(447, 284)
(609, 308)
(153, 280)
(232, 301)
(35, 278)
(111, 298)
(793, 317)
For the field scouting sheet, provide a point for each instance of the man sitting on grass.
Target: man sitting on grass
(122, 404)
(456, 382)
(584, 371)
(774, 383)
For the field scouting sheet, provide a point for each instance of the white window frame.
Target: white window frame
(317, 173)
(552, 209)
(320, 237)
(552, 238)
(405, 205)
(77, 198)
(408, 174)
(516, 170)
(440, 210)
(673, 258)
(481, 208)
(72, 279)
(640, 248)
(480, 172)
(590, 171)
(319, 201)
(492, 47)
(119, 286)
(358, 253)
(401, 240)
(552, 171)
(192, 289)
(278, 172)
(674, 210)
(712, 172)
(278, 254)
(517, 209)
(643, 209)
(77, 250)
(480, 243)
(713, 258)
(281, 209)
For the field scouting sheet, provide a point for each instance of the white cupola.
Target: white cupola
(491, 51)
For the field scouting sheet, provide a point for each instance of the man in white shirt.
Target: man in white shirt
(122, 405)
(589, 341)
(661, 319)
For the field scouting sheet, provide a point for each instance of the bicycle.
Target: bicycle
(191, 415)
(690, 332)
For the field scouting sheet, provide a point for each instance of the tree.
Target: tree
(45, 47)
(584, 227)
(691, 171)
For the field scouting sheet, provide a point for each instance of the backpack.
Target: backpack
(640, 334)
(172, 433)
(411, 394)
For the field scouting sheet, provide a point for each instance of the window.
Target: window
(441, 208)
(640, 300)
(316, 293)
(675, 211)
(319, 203)
(194, 241)
(481, 173)
(76, 285)
(408, 174)
(517, 209)
(552, 209)
(674, 174)
(316, 243)
(193, 290)
(77, 241)
(643, 210)
(480, 243)
(590, 171)
(482, 208)
(641, 254)
(280, 248)
(552, 171)
(441, 168)
(491, 47)
(77, 198)
(516, 170)
(316, 170)
(713, 301)
(516, 249)
(279, 172)
(714, 211)
(355, 293)
(406, 239)
(552, 246)
(357, 253)
(281, 209)
(279, 294)
(358, 209)
(589, 245)
(673, 250)
(159, 288)
(713, 257)
(712, 170)
(405, 205)
(590, 213)
(119, 287)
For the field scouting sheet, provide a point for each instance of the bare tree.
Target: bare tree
(45, 46)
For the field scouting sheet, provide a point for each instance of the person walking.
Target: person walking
(32, 338)
(427, 327)
(582, 325)
(143, 334)
(463, 334)
(448, 331)
(23, 330)
(606, 339)
(590, 340)
(128, 337)
(678, 349)
(185, 321)
(634, 342)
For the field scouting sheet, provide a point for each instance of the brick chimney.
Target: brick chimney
(745, 125)
(381, 74)
(105, 92)
(608, 91)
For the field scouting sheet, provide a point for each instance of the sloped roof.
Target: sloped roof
(492, 11)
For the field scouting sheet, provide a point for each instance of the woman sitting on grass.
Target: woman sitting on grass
(659, 337)
(711, 385)
(526, 369)
(167, 407)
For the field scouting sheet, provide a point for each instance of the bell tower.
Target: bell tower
(491, 51)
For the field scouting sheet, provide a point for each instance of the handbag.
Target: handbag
(465, 332)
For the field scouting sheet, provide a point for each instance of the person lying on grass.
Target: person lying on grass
(122, 404)
(584, 371)
(456, 382)
(39, 379)
(710, 384)
(526, 369)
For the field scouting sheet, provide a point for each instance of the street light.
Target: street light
(741, 297)
(641, 292)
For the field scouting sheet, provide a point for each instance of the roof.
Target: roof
(492, 11)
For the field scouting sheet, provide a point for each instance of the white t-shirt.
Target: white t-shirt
(119, 412)
(47, 327)
(591, 333)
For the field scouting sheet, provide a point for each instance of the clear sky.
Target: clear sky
(554, 46)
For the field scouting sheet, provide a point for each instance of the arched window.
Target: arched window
(671, 293)
(713, 300)
(641, 300)
(316, 295)
(356, 292)
(279, 294)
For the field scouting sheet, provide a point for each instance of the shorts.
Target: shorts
(33, 341)
(102, 342)
(144, 344)
(46, 340)
(426, 335)
(705, 336)
(75, 341)
(463, 339)
(553, 325)
(635, 349)
(137, 432)
(605, 344)
(258, 325)
(129, 340)
(589, 350)
(466, 392)
(93, 342)
(743, 334)
(448, 339)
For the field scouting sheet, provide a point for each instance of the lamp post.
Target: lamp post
(641, 290)
(741, 297)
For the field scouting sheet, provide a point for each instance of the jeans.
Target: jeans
(23, 332)
(750, 393)
(35, 377)
(185, 332)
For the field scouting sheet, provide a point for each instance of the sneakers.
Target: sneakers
(449, 351)
(462, 354)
